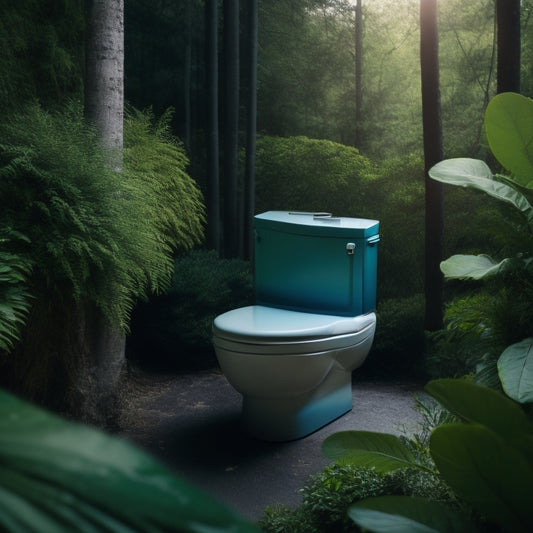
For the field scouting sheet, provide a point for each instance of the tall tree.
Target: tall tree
(104, 107)
(187, 79)
(104, 70)
(508, 30)
(212, 151)
(251, 127)
(433, 153)
(358, 70)
(232, 232)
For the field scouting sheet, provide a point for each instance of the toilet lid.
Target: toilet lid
(270, 323)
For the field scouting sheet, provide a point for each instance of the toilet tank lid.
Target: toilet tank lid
(271, 322)
(316, 223)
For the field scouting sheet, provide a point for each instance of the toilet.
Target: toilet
(292, 354)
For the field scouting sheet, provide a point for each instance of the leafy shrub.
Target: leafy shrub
(399, 342)
(302, 174)
(398, 202)
(484, 457)
(174, 329)
(328, 495)
(284, 519)
(467, 339)
(326, 498)
(42, 49)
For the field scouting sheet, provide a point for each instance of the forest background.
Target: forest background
(97, 242)
(311, 153)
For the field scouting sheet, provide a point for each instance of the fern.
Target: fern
(95, 234)
(155, 161)
(14, 296)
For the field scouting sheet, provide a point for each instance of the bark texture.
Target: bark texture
(509, 41)
(433, 153)
(251, 130)
(232, 233)
(212, 152)
(104, 107)
(104, 76)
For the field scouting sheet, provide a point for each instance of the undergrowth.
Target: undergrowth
(328, 494)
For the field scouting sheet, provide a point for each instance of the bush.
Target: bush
(326, 498)
(299, 173)
(174, 330)
(328, 495)
(302, 174)
(399, 343)
(480, 325)
(398, 202)
(467, 338)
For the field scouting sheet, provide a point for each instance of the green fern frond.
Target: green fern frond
(15, 300)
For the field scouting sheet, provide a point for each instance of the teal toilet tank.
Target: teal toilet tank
(316, 263)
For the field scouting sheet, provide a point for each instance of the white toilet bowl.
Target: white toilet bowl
(292, 368)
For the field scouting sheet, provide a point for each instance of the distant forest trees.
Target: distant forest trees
(306, 68)
(306, 77)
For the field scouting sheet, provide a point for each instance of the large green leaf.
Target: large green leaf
(475, 174)
(509, 127)
(471, 266)
(515, 368)
(496, 479)
(60, 476)
(402, 514)
(381, 451)
(477, 404)
(462, 171)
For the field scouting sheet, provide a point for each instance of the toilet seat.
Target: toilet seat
(259, 329)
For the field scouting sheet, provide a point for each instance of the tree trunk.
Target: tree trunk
(212, 153)
(232, 233)
(251, 127)
(104, 73)
(187, 80)
(104, 107)
(433, 153)
(70, 357)
(509, 41)
(358, 71)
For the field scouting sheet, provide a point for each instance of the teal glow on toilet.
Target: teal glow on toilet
(291, 355)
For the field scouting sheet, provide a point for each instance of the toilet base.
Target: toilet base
(294, 417)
